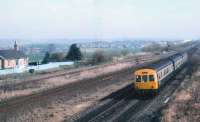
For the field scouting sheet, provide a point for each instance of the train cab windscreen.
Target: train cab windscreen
(151, 78)
(145, 78)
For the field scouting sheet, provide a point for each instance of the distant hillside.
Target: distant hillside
(85, 43)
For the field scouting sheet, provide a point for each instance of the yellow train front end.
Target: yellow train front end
(146, 81)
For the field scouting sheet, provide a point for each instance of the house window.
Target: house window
(8, 62)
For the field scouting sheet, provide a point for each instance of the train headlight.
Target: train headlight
(136, 86)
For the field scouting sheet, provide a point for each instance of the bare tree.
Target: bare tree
(124, 52)
(98, 57)
(57, 57)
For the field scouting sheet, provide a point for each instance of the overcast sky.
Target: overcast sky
(99, 19)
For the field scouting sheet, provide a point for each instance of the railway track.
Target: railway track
(119, 99)
(11, 105)
(85, 83)
(130, 107)
(160, 101)
(10, 108)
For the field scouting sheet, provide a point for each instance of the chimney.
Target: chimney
(15, 46)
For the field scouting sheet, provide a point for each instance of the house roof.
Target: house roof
(12, 54)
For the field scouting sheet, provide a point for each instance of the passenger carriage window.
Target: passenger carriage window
(159, 76)
(151, 78)
(144, 78)
(138, 78)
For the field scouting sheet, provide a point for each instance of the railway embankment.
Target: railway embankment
(185, 105)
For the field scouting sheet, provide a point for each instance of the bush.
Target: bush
(98, 57)
(124, 52)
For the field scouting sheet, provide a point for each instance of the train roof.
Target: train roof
(159, 64)
(163, 62)
(176, 56)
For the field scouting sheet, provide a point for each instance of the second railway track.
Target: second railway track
(128, 107)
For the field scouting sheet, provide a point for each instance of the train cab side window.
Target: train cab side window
(151, 78)
(138, 78)
(144, 78)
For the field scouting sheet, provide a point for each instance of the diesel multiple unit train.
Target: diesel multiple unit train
(150, 78)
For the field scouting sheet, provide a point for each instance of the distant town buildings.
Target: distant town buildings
(13, 58)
